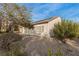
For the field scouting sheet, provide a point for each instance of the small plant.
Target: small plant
(58, 53)
(49, 52)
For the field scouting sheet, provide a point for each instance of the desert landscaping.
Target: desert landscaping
(37, 46)
(20, 36)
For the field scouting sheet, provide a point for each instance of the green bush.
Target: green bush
(65, 29)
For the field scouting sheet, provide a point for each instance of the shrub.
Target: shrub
(65, 29)
(49, 52)
(58, 53)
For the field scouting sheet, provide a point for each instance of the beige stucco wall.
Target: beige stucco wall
(52, 23)
(48, 26)
(39, 25)
(46, 30)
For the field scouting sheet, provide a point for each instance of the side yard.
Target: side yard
(31, 45)
(36, 46)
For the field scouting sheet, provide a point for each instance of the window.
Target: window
(39, 29)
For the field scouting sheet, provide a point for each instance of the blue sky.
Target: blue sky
(41, 11)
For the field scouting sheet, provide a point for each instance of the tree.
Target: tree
(17, 15)
(10, 17)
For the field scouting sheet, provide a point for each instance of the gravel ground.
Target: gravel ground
(36, 46)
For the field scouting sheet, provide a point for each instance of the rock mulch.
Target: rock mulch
(39, 46)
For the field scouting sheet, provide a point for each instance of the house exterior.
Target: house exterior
(26, 31)
(42, 27)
